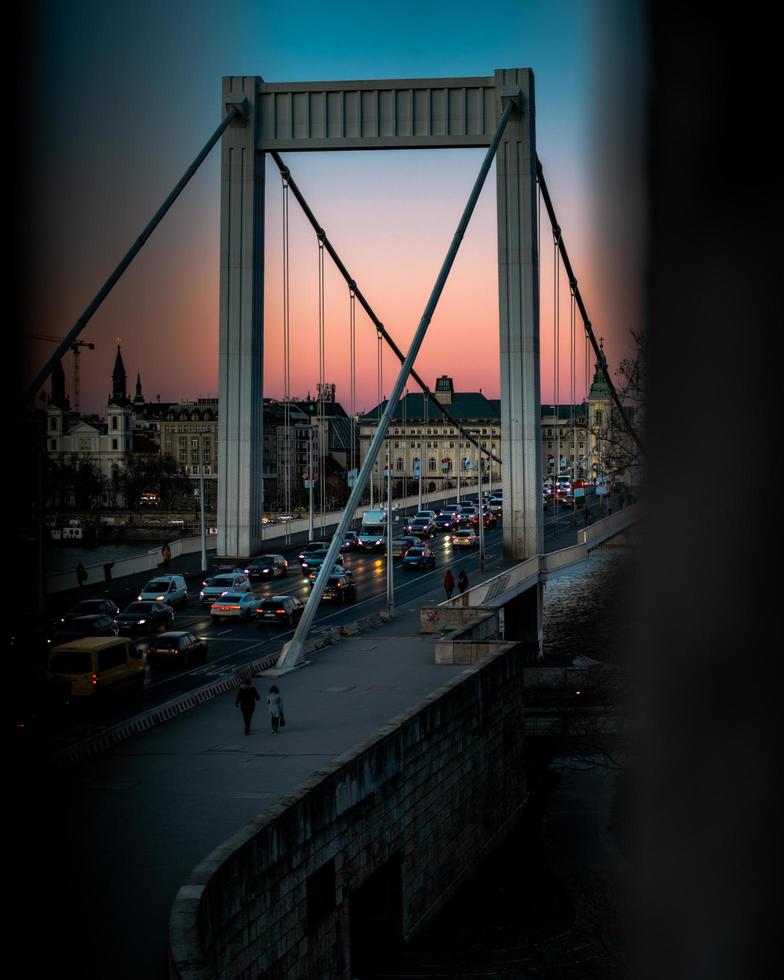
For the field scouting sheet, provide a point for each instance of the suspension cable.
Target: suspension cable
(286, 358)
(573, 380)
(352, 327)
(583, 311)
(323, 437)
(556, 350)
(366, 305)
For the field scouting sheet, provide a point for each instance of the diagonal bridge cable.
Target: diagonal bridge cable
(286, 174)
(130, 255)
(576, 293)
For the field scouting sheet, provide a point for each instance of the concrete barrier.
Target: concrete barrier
(370, 849)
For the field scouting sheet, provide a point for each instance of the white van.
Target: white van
(170, 589)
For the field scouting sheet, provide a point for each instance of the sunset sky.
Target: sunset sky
(127, 93)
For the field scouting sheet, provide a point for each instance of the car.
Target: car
(452, 511)
(316, 559)
(92, 607)
(490, 520)
(170, 589)
(401, 545)
(98, 665)
(280, 609)
(311, 547)
(313, 571)
(177, 648)
(235, 605)
(227, 582)
(445, 522)
(222, 570)
(496, 505)
(145, 617)
(350, 541)
(430, 515)
(74, 626)
(421, 527)
(467, 515)
(465, 538)
(419, 557)
(340, 587)
(267, 566)
(41, 699)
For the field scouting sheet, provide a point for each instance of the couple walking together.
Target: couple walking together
(247, 696)
(449, 582)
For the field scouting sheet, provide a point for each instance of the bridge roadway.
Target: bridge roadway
(126, 827)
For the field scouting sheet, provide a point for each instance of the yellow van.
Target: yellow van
(97, 665)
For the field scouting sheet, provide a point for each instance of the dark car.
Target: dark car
(350, 541)
(176, 648)
(145, 617)
(401, 545)
(419, 557)
(267, 566)
(445, 522)
(340, 587)
(74, 626)
(490, 521)
(89, 607)
(311, 547)
(41, 699)
(316, 559)
(280, 609)
(420, 527)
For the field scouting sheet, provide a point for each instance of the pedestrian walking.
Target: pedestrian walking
(107, 571)
(449, 583)
(81, 574)
(166, 555)
(275, 703)
(247, 696)
(587, 515)
(462, 581)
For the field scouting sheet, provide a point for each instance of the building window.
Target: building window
(53, 424)
(431, 465)
(114, 421)
(399, 464)
(114, 444)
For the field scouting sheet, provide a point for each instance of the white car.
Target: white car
(465, 539)
(215, 587)
(236, 605)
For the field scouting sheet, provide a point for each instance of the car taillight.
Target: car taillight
(94, 679)
(281, 611)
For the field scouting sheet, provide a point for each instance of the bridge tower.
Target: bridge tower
(389, 114)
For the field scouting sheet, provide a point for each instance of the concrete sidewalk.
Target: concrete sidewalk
(135, 820)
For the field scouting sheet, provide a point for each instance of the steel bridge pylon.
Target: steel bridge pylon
(374, 115)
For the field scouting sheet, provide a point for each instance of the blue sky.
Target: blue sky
(128, 92)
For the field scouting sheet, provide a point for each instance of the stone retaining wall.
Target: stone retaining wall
(379, 841)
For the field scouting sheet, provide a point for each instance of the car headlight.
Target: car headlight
(142, 622)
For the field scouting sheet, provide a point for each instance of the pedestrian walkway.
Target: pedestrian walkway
(135, 820)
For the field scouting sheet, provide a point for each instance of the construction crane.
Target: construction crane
(75, 351)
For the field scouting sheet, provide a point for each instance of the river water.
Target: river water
(521, 917)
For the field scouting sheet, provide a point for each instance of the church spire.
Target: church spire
(119, 395)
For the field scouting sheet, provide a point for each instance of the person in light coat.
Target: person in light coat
(275, 703)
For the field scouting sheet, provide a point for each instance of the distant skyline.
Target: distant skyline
(127, 94)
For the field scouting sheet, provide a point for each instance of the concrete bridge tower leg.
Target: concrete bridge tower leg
(241, 344)
(524, 621)
(518, 289)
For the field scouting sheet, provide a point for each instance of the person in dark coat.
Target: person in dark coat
(81, 574)
(247, 696)
(449, 583)
(275, 703)
(462, 581)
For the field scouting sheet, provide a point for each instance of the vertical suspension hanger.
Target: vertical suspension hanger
(286, 359)
(556, 356)
(323, 438)
(352, 329)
